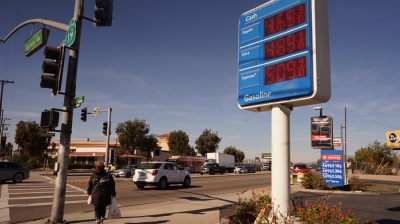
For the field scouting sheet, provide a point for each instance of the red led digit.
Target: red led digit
(269, 75)
(290, 43)
(288, 70)
(285, 45)
(300, 14)
(281, 50)
(280, 22)
(284, 20)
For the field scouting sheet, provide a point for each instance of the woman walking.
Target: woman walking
(102, 188)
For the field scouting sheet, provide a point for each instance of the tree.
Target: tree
(207, 142)
(178, 142)
(241, 156)
(134, 135)
(28, 135)
(375, 156)
(190, 151)
(149, 143)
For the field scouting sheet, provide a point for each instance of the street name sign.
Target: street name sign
(283, 55)
(77, 101)
(71, 33)
(36, 41)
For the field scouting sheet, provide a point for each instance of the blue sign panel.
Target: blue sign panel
(276, 39)
(332, 167)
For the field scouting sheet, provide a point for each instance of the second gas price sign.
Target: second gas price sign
(284, 55)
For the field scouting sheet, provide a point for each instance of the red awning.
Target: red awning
(87, 154)
(131, 156)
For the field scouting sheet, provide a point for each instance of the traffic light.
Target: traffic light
(103, 11)
(3, 143)
(49, 119)
(54, 66)
(53, 146)
(84, 114)
(105, 128)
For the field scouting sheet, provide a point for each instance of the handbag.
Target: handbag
(89, 200)
(114, 212)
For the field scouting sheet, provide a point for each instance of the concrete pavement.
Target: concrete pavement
(203, 210)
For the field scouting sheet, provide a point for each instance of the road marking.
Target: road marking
(4, 210)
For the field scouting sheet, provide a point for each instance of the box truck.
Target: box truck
(226, 160)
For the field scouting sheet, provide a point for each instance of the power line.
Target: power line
(370, 119)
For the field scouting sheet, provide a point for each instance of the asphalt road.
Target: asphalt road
(32, 199)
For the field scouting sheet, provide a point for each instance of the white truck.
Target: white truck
(222, 159)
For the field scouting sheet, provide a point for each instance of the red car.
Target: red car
(299, 168)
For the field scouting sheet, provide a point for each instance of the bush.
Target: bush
(321, 212)
(313, 180)
(356, 184)
(246, 210)
(80, 166)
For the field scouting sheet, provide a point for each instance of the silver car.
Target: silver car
(240, 169)
(126, 171)
(14, 172)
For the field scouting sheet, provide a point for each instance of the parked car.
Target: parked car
(160, 174)
(299, 168)
(126, 171)
(251, 169)
(240, 169)
(318, 168)
(14, 172)
(266, 167)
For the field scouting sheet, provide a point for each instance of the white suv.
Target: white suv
(160, 174)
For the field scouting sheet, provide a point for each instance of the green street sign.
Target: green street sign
(36, 41)
(71, 33)
(79, 100)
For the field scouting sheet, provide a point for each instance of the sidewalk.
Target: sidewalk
(189, 211)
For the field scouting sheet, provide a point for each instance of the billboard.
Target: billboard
(393, 139)
(332, 167)
(321, 132)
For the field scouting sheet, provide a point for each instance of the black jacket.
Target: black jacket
(101, 196)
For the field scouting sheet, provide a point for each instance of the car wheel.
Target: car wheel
(18, 178)
(163, 184)
(201, 173)
(128, 175)
(222, 172)
(139, 186)
(211, 172)
(186, 182)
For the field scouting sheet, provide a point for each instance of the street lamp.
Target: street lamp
(320, 110)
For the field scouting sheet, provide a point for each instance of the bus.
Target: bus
(190, 163)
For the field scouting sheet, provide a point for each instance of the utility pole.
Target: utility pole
(1, 103)
(57, 210)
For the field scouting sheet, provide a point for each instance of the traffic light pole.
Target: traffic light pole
(57, 210)
(107, 154)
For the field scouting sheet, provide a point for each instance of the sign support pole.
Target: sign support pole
(57, 210)
(280, 142)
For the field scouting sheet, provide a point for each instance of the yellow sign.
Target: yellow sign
(393, 138)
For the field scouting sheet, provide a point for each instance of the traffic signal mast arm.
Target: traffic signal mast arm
(57, 25)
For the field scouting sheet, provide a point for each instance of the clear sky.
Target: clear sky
(174, 64)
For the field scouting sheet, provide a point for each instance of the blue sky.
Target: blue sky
(174, 64)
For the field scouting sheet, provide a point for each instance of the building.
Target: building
(88, 152)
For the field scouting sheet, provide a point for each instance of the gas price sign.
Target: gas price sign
(284, 55)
